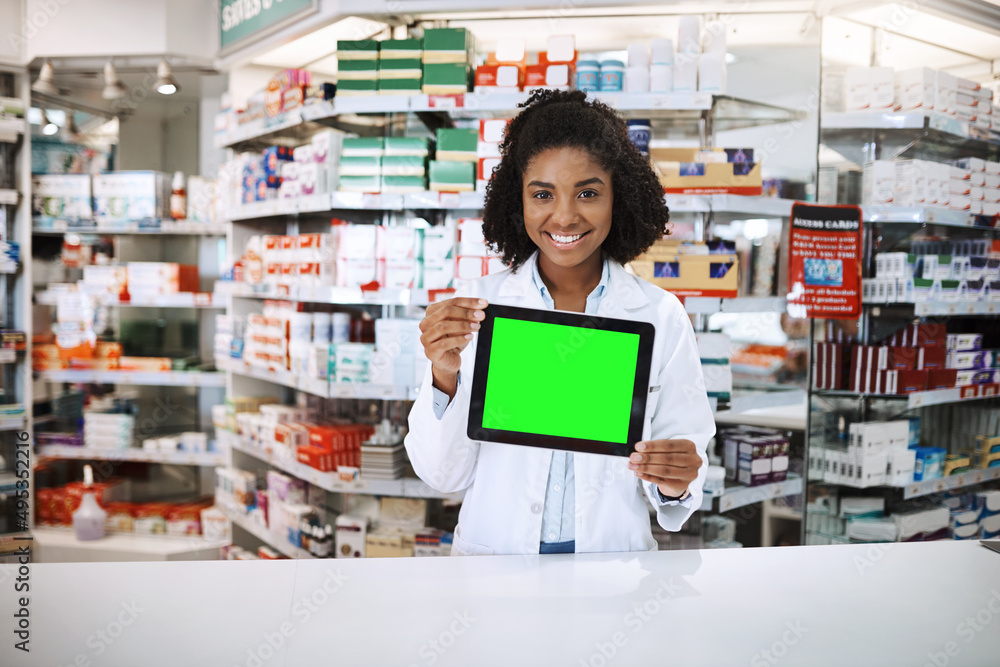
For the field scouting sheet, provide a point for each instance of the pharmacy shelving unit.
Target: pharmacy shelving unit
(187, 323)
(15, 292)
(705, 113)
(860, 137)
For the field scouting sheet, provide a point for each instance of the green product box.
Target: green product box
(360, 165)
(457, 144)
(403, 165)
(399, 86)
(446, 74)
(447, 39)
(357, 49)
(360, 184)
(402, 48)
(400, 63)
(403, 184)
(401, 68)
(357, 66)
(452, 176)
(417, 146)
(362, 146)
(356, 86)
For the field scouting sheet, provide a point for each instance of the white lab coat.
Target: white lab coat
(505, 484)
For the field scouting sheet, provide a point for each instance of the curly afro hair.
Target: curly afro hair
(567, 119)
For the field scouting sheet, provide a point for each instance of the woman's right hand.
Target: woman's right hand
(446, 330)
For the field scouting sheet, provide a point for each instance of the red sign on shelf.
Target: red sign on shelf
(446, 101)
(824, 261)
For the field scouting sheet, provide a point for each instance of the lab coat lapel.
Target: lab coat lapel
(517, 289)
(623, 293)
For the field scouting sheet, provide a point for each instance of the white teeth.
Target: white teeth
(565, 239)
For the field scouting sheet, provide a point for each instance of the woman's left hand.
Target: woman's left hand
(670, 464)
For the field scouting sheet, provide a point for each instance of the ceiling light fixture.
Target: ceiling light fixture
(166, 84)
(48, 127)
(113, 86)
(45, 83)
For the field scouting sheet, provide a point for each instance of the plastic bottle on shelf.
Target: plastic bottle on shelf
(88, 519)
(178, 197)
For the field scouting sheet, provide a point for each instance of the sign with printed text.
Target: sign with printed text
(243, 19)
(824, 261)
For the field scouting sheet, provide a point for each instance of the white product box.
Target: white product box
(915, 89)
(858, 88)
(61, 196)
(901, 463)
(970, 163)
(401, 243)
(438, 275)
(131, 195)
(941, 174)
(689, 34)
(359, 242)
(882, 88)
(712, 73)
(911, 184)
(561, 48)
(401, 274)
(356, 272)
(878, 183)
(470, 267)
(685, 74)
(439, 244)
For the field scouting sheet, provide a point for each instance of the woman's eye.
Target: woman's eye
(541, 194)
(588, 194)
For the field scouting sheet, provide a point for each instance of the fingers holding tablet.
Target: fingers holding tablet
(670, 464)
(446, 330)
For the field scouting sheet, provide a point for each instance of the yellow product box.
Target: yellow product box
(704, 171)
(981, 461)
(685, 274)
(144, 364)
(984, 444)
(955, 464)
(385, 544)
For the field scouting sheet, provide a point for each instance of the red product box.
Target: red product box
(970, 391)
(292, 434)
(904, 358)
(534, 75)
(484, 170)
(941, 378)
(911, 381)
(326, 437)
(864, 358)
(314, 457)
(992, 389)
(933, 358)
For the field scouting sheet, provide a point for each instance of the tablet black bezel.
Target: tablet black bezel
(640, 389)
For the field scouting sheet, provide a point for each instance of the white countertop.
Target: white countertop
(59, 545)
(879, 604)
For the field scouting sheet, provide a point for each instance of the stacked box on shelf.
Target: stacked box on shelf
(456, 155)
(714, 351)
(708, 170)
(475, 259)
(108, 430)
(62, 196)
(438, 248)
(912, 359)
(360, 164)
(968, 184)
(404, 164)
(754, 456)
(285, 91)
(504, 69)
(491, 131)
(131, 196)
(400, 66)
(447, 60)
(357, 66)
(148, 279)
(691, 269)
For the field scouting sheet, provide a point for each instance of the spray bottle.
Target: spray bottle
(88, 519)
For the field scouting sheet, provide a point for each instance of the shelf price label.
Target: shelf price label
(446, 101)
(449, 199)
(342, 390)
(977, 477)
(824, 261)
(912, 490)
(940, 485)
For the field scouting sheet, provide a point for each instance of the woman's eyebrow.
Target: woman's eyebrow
(542, 184)
(595, 179)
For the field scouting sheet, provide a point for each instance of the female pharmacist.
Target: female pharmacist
(571, 202)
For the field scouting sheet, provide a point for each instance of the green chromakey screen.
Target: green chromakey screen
(553, 379)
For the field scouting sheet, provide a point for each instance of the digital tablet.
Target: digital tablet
(548, 378)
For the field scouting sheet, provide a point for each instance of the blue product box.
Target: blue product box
(929, 463)
(272, 158)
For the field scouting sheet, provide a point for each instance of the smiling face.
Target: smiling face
(567, 207)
